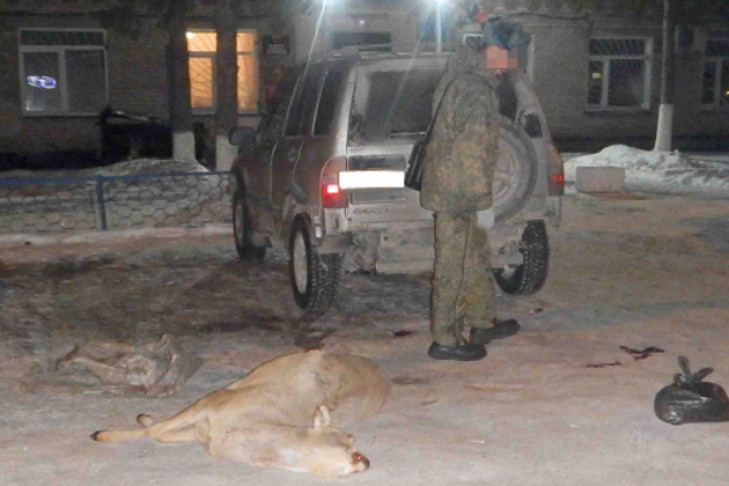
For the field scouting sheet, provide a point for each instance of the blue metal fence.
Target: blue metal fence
(43, 205)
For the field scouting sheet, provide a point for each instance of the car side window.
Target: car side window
(274, 125)
(302, 110)
(328, 102)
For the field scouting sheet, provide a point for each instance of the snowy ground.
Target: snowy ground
(559, 404)
(676, 171)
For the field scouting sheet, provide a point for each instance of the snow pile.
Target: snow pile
(126, 167)
(658, 169)
(147, 166)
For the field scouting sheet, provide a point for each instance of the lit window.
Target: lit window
(62, 72)
(715, 86)
(619, 74)
(202, 47)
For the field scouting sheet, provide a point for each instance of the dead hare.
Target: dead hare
(279, 415)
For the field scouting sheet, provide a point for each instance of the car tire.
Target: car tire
(529, 277)
(516, 170)
(314, 278)
(242, 232)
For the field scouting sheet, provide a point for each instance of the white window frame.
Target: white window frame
(717, 61)
(647, 58)
(212, 55)
(61, 51)
(528, 69)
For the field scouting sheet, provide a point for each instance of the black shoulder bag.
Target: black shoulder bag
(414, 172)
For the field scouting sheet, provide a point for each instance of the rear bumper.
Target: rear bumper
(407, 246)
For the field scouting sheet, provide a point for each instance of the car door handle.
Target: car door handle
(292, 155)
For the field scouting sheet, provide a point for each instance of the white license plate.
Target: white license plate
(371, 179)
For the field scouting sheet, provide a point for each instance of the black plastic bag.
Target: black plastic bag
(688, 399)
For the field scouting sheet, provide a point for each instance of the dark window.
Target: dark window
(618, 74)
(39, 98)
(707, 92)
(508, 102)
(724, 90)
(717, 49)
(61, 38)
(62, 71)
(626, 82)
(366, 41)
(303, 108)
(594, 90)
(328, 102)
(85, 70)
(715, 83)
(617, 47)
(398, 102)
(274, 123)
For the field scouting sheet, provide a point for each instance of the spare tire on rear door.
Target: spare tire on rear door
(516, 171)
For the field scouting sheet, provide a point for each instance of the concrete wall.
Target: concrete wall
(137, 78)
(559, 58)
(138, 71)
(23, 134)
(560, 78)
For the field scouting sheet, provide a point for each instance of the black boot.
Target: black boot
(459, 352)
(500, 330)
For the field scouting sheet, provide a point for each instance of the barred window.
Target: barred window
(715, 83)
(202, 47)
(62, 72)
(619, 74)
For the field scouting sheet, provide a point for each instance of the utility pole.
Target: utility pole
(438, 27)
(183, 139)
(226, 109)
(664, 131)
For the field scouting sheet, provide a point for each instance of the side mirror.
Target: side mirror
(243, 137)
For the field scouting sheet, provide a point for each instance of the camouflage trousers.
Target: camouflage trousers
(463, 289)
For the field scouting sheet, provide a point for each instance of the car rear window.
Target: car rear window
(396, 102)
(329, 96)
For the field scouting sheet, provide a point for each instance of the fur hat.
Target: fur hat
(495, 31)
(503, 33)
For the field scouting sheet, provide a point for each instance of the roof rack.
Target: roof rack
(374, 51)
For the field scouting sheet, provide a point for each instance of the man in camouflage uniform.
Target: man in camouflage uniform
(458, 171)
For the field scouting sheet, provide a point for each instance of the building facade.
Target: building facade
(66, 61)
(597, 71)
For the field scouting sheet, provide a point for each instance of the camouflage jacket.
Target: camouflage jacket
(462, 152)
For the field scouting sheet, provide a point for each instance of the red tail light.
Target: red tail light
(555, 173)
(332, 196)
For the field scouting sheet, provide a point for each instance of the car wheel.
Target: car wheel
(516, 170)
(314, 278)
(242, 231)
(527, 278)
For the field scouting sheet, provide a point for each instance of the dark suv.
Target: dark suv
(322, 176)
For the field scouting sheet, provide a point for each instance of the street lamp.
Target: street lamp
(438, 26)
